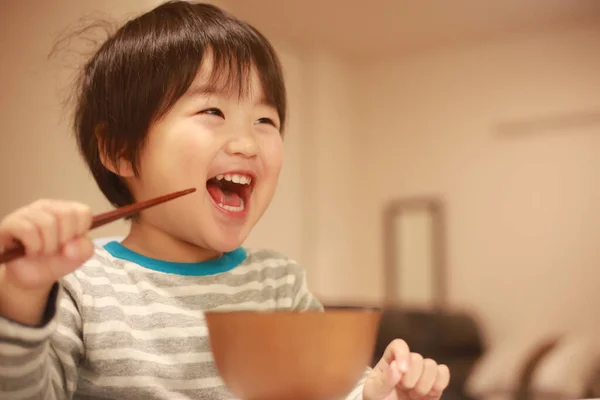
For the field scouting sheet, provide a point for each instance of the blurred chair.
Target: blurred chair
(538, 364)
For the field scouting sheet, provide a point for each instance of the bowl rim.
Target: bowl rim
(324, 310)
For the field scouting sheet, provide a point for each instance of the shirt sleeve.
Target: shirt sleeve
(302, 298)
(41, 362)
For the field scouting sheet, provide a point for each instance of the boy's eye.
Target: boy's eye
(266, 121)
(213, 111)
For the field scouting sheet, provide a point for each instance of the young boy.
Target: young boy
(182, 96)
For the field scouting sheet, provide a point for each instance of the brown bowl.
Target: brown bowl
(275, 355)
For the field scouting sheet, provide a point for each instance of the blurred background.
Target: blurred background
(490, 108)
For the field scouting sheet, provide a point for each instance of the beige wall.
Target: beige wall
(522, 226)
(312, 217)
(523, 210)
(521, 222)
(38, 157)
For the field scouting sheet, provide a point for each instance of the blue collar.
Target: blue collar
(226, 262)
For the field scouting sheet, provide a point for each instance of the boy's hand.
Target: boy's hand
(402, 375)
(52, 234)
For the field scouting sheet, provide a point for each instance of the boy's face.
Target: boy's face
(229, 149)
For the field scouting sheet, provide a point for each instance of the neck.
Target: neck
(150, 241)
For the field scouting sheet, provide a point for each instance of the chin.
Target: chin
(226, 244)
(226, 248)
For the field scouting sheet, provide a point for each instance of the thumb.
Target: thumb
(78, 250)
(384, 383)
(392, 377)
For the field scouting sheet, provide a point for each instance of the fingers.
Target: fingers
(390, 378)
(388, 372)
(441, 382)
(72, 219)
(18, 227)
(397, 351)
(409, 374)
(386, 381)
(425, 378)
(418, 376)
(428, 377)
(45, 226)
(78, 250)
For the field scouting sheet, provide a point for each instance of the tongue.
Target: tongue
(225, 197)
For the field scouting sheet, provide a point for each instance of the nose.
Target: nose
(244, 145)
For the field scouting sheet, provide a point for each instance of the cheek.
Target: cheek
(190, 155)
(272, 152)
(180, 154)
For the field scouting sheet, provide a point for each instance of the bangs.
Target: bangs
(147, 65)
(234, 53)
(231, 73)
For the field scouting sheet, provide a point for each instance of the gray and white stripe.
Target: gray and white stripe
(123, 331)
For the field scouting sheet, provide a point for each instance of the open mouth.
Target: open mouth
(231, 192)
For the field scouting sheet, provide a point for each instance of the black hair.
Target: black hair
(141, 70)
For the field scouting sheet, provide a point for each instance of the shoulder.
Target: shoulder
(267, 256)
(275, 267)
(267, 259)
(273, 264)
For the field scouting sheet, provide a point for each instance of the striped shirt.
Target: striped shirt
(124, 326)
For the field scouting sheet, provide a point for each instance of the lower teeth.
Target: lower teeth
(233, 208)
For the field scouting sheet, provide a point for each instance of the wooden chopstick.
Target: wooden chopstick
(18, 250)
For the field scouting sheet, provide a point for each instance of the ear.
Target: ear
(122, 168)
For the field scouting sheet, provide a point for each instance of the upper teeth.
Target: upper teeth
(236, 178)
